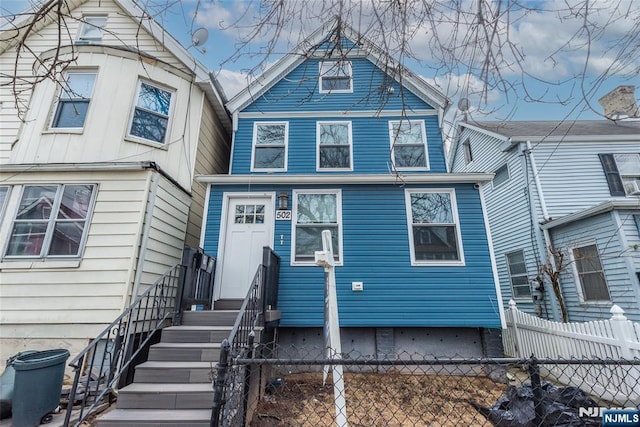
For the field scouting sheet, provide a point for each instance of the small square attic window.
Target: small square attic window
(92, 28)
(336, 77)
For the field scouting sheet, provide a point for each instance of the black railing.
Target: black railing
(262, 296)
(103, 365)
(199, 269)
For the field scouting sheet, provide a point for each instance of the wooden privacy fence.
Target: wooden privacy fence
(615, 338)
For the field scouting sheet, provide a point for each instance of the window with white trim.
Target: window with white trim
(334, 145)
(590, 273)
(336, 77)
(408, 144)
(270, 146)
(51, 221)
(150, 118)
(629, 169)
(434, 228)
(518, 276)
(92, 28)
(315, 211)
(73, 102)
(501, 176)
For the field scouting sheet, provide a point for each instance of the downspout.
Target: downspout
(546, 238)
(144, 239)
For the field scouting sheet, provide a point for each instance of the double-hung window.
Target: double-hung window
(150, 118)
(336, 77)
(73, 102)
(270, 146)
(51, 221)
(590, 273)
(629, 169)
(315, 211)
(518, 275)
(4, 196)
(434, 229)
(334, 145)
(408, 144)
(92, 28)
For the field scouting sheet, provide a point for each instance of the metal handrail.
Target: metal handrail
(239, 343)
(106, 361)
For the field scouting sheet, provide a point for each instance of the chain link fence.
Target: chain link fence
(285, 387)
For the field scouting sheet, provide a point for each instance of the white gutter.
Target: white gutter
(91, 167)
(536, 179)
(144, 237)
(421, 178)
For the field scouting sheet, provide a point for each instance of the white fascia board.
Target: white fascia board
(281, 67)
(484, 131)
(341, 113)
(73, 167)
(578, 138)
(337, 179)
(592, 211)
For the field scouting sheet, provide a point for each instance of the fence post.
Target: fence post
(622, 330)
(516, 334)
(218, 383)
(536, 386)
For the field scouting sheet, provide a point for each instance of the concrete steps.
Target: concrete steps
(174, 386)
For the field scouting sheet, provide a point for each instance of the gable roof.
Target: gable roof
(536, 130)
(305, 50)
(203, 78)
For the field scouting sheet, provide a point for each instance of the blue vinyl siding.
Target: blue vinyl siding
(376, 252)
(371, 145)
(298, 91)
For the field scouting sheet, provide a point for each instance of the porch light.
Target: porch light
(283, 201)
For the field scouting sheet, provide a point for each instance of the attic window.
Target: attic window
(91, 29)
(336, 77)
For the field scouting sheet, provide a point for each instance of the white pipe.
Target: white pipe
(536, 180)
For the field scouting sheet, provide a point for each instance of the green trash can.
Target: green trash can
(38, 383)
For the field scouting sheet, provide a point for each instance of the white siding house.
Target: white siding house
(97, 167)
(572, 187)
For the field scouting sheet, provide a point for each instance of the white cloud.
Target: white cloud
(232, 82)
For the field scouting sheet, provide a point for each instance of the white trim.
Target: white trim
(205, 215)
(592, 211)
(253, 146)
(54, 112)
(335, 114)
(51, 223)
(393, 140)
(397, 179)
(492, 257)
(454, 212)
(85, 24)
(321, 76)
(350, 142)
(576, 273)
(273, 74)
(484, 131)
(294, 221)
(222, 233)
(170, 114)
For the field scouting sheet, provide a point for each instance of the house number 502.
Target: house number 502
(283, 215)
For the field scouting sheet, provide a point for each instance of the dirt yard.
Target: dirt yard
(379, 399)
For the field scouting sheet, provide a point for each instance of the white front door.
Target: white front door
(248, 227)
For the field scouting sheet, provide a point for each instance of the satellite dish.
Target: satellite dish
(199, 36)
(463, 104)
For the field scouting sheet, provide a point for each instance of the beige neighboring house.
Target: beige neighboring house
(97, 189)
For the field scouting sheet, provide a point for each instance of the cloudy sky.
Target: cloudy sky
(519, 60)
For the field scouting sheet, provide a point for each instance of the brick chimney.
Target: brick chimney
(620, 103)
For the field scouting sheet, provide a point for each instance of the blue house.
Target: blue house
(337, 136)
